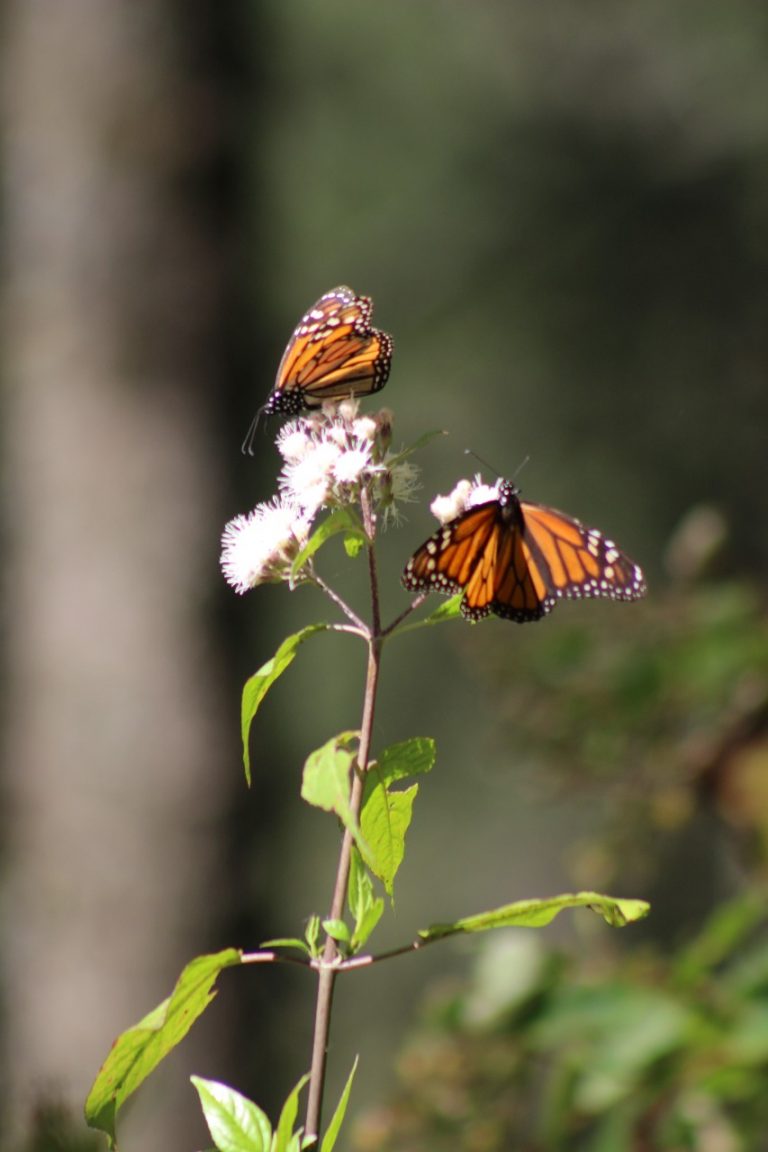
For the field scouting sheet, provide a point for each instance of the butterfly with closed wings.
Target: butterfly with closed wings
(333, 353)
(517, 559)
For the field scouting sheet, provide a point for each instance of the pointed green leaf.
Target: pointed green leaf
(338, 930)
(236, 1124)
(312, 936)
(332, 1133)
(340, 520)
(139, 1050)
(284, 1134)
(384, 821)
(366, 909)
(365, 925)
(448, 610)
(259, 684)
(537, 913)
(287, 942)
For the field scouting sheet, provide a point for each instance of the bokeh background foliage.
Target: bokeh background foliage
(561, 212)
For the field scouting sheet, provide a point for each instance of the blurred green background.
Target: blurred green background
(561, 213)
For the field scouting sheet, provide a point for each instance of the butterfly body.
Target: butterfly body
(516, 559)
(334, 353)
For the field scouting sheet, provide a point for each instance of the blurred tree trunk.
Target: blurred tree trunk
(112, 360)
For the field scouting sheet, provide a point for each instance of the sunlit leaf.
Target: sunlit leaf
(236, 1124)
(365, 906)
(287, 942)
(332, 1132)
(537, 913)
(284, 1134)
(139, 1050)
(257, 686)
(446, 610)
(386, 813)
(326, 779)
(384, 821)
(338, 930)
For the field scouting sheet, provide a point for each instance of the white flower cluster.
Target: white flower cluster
(466, 494)
(328, 455)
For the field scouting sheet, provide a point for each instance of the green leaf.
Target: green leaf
(338, 930)
(384, 821)
(386, 814)
(284, 1134)
(340, 520)
(411, 757)
(287, 942)
(259, 684)
(326, 779)
(332, 1132)
(537, 913)
(139, 1050)
(448, 610)
(236, 1124)
(312, 936)
(366, 909)
(365, 924)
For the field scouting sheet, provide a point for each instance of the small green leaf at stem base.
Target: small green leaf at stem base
(536, 913)
(258, 685)
(236, 1124)
(332, 1132)
(139, 1050)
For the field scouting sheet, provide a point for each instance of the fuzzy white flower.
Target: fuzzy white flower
(446, 508)
(347, 409)
(352, 465)
(365, 428)
(293, 441)
(482, 493)
(307, 481)
(259, 547)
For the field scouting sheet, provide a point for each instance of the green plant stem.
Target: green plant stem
(329, 966)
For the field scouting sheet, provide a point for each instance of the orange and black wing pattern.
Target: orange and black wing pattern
(334, 352)
(517, 559)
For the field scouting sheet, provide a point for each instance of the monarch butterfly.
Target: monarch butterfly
(518, 559)
(333, 353)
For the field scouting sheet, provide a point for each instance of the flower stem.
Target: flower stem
(329, 966)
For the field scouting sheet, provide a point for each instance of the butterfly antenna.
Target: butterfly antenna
(520, 467)
(480, 460)
(247, 445)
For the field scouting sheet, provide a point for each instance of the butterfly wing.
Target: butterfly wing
(334, 352)
(574, 562)
(481, 554)
(518, 559)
